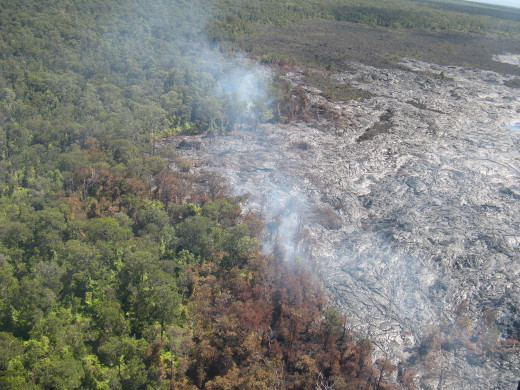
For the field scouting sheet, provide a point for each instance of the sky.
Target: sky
(510, 3)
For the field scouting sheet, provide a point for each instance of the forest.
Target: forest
(120, 268)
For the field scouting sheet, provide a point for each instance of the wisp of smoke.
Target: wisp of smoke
(284, 215)
(245, 85)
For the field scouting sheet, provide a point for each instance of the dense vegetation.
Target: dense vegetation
(120, 269)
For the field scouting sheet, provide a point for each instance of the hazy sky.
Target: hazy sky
(510, 3)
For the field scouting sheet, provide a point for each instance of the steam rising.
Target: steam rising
(392, 262)
(245, 84)
(285, 218)
(398, 260)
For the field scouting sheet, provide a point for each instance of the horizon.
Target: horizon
(507, 3)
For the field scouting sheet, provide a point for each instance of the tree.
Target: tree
(110, 318)
(126, 355)
(82, 264)
(200, 235)
(9, 288)
(177, 359)
(106, 229)
(46, 362)
(29, 305)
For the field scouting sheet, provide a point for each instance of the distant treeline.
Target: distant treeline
(236, 16)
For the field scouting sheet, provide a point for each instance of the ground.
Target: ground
(334, 43)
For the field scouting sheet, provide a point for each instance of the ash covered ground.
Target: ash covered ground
(409, 200)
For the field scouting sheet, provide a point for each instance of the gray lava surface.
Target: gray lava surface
(410, 204)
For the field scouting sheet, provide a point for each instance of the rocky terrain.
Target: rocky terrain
(408, 200)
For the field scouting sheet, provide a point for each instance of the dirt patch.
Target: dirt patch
(422, 106)
(383, 126)
(513, 83)
(331, 89)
